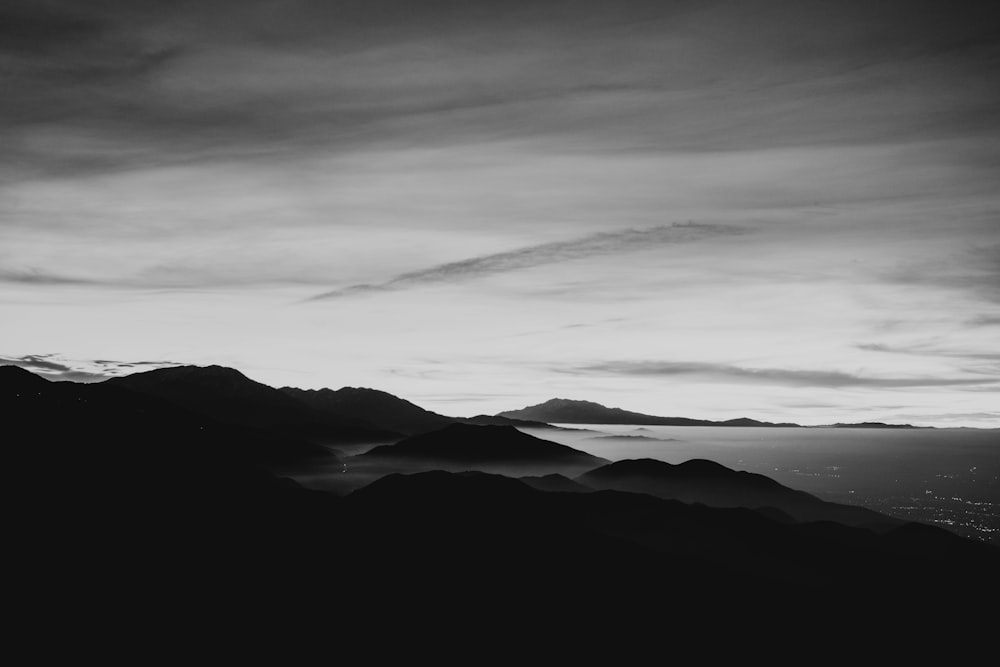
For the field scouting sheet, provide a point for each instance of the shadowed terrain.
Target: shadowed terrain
(228, 396)
(164, 513)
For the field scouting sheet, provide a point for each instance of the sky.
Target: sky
(780, 209)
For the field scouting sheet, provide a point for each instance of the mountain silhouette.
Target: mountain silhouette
(631, 437)
(14, 379)
(870, 425)
(746, 421)
(227, 395)
(164, 513)
(222, 393)
(490, 448)
(107, 415)
(566, 411)
(492, 519)
(709, 483)
(376, 407)
(392, 413)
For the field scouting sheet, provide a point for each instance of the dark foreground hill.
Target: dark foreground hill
(487, 448)
(627, 528)
(137, 526)
(869, 425)
(709, 483)
(14, 380)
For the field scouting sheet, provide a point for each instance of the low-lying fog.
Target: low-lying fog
(949, 477)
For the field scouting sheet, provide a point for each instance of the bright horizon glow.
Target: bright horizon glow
(785, 211)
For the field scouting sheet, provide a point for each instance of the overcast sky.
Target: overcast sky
(780, 209)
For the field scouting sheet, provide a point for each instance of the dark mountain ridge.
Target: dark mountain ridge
(391, 412)
(717, 542)
(371, 405)
(228, 396)
(15, 378)
(568, 411)
(869, 425)
(224, 393)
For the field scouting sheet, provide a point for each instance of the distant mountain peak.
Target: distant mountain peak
(570, 401)
(572, 411)
(870, 425)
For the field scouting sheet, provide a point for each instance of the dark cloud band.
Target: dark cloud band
(711, 372)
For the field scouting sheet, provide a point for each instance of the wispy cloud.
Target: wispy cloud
(984, 321)
(604, 243)
(927, 351)
(975, 268)
(36, 277)
(712, 372)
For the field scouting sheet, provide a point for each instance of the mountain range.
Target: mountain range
(349, 414)
(230, 397)
(163, 500)
(567, 411)
(358, 414)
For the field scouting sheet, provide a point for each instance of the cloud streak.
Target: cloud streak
(594, 245)
(36, 277)
(984, 321)
(924, 351)
(976, 268)
(725, 373)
